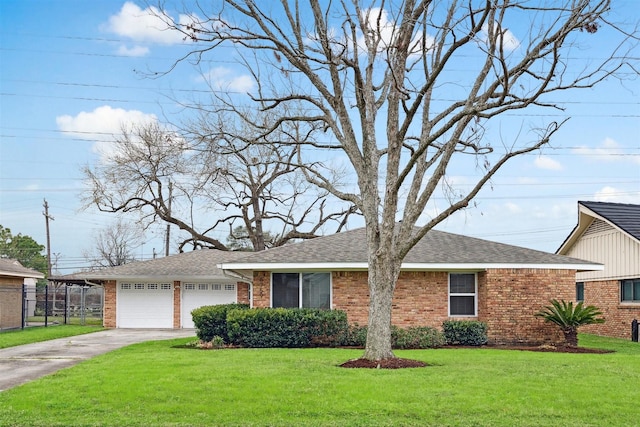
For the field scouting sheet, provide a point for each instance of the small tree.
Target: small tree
(569, 318)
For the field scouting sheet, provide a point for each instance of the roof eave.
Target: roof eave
(337, 266)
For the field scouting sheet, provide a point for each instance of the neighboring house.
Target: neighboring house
(12, 279)
(608, 233)
(161, 293)
(446, 276)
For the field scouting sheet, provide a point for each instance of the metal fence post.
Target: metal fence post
(634, 330)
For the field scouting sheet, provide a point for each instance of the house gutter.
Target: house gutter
(239, 276)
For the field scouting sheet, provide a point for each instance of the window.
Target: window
(165, 286)
(152, 286)
(203, 286)
(630, 290)
(462, 294)
(125, 286)
(580, 291)
(138, 286)
(230, 287)
(306, 290)
(189, 286)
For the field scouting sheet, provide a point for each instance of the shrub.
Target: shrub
(570, 318)
(285, 327)
(416, 337)
(211, 320)
(354, 336)
(465, 332)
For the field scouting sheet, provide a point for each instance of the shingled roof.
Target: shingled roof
(13, 268)
(195, 265)
(436, 250)
(624, 216)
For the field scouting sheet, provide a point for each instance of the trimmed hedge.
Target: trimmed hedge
(416, 337)
(465, 332)
(211, 320)
(285, 327)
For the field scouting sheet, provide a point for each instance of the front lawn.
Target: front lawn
(157, 384)
(40, 333)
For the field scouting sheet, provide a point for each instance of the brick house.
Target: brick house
(446, 276)
(12, 278)
(608, 233)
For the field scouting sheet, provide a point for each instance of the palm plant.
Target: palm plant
(569, 318)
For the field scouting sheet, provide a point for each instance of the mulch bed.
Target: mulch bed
(393, 363)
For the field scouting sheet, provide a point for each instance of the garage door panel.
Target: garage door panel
(195, 295)
(145, 305)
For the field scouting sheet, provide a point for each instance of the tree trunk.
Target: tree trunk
(571, 336)
(383, 274)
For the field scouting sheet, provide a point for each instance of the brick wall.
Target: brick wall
(177, 302)
(618, 316)
(261, 289)
(242, 296)
(507, 300)
(109, 313)
(10, 302)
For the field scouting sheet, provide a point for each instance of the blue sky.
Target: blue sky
(72, 70)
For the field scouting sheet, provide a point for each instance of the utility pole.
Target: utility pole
(166, 242)
(47, 217)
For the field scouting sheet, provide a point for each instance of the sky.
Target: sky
(71, 71)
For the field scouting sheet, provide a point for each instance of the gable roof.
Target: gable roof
(195, 265)
(624, 217)
(13, 268)
(436, 251)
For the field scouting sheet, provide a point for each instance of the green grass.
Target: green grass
(40, 333)
(155, 384)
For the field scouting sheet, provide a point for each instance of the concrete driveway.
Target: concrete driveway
(24, 363)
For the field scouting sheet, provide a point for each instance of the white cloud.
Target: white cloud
(133, 51)
(545, 162)
(226, 79)
(608, 151)
(377, 20)
(145, 26)
(616, 195)
(102, 125)
(509, 41)
(512, 208)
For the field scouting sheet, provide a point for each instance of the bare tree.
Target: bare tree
(382, 81)
(209, 179)
(114, 245)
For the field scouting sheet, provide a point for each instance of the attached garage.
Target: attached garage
(196, 295)
(161, 293)
(144, 305)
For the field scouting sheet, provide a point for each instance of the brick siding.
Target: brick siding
(10, 302)
(618, 316)
(243, 295)
(109, 312)
(507, 300)
(177, 302)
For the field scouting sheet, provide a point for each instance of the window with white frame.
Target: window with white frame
(301, 290)
(463, 292)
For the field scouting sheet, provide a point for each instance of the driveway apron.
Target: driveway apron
(24, 363)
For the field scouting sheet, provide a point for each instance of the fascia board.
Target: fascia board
(405, 266)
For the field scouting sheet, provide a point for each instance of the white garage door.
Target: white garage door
(145, 305)
(196, 295)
